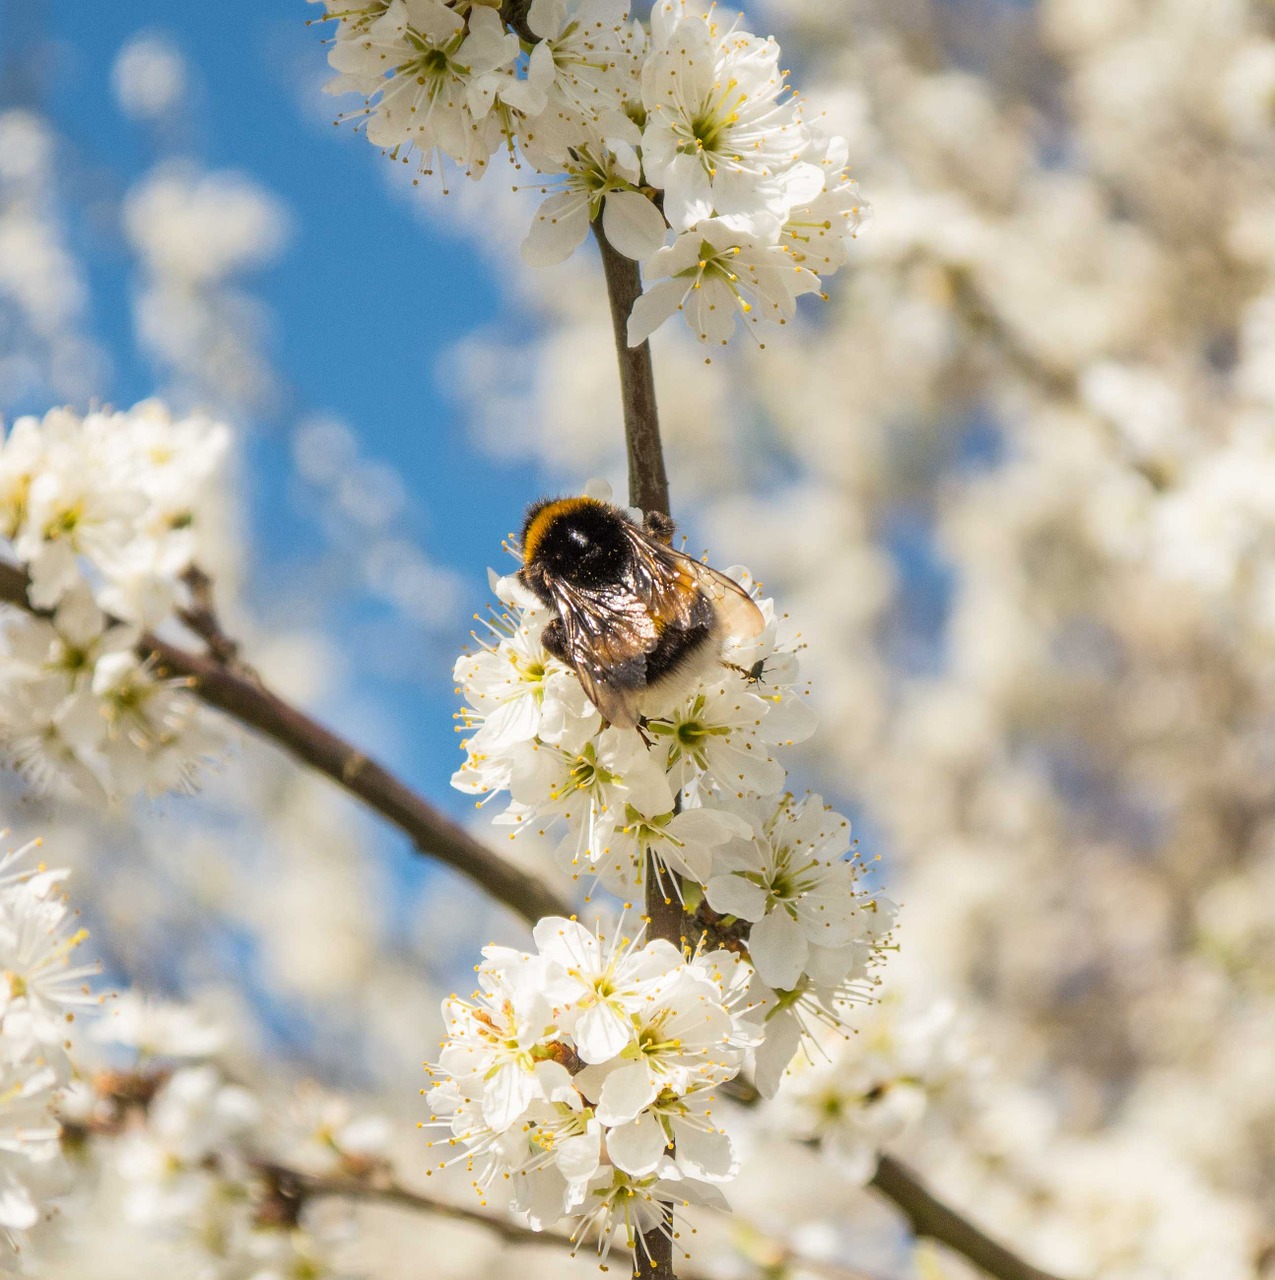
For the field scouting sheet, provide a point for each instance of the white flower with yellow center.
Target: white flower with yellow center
(155, 739)
(585, 66)
(590, 785)
(818, 232)
(682, 843)
(721, 137)
(40, 986)
(515, 690)
(431, 71)
(716, 274)
(600, 178)
(552, 1154)
(598, 987)
(792, 882)
(855, 1093)
(683, 1036)
(76, 505)
(621, 1209)
(496, 1047)
(677, 1125)
(715, 739)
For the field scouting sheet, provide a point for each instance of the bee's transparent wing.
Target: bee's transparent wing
(671, 580)
(608, 633)
(741, 618)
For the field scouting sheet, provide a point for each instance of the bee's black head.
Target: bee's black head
(578, 540)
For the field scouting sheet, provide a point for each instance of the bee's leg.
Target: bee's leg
(659, 526)
(642, 733)
(554, 639)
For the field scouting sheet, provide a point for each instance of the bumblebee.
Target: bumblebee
(636, 620)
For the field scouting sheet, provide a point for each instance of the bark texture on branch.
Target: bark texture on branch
(648, 481)
(247, 700)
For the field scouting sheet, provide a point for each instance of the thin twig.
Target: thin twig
(514, 13)
(314, 1187)
(929, 1216)
(432, 833)
(648, 489)
(287, 1189)
(201, 617)
(648, 480)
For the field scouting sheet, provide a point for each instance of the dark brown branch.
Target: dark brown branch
(248, 701)
(648, 480)
(312, 1187)
(200, 615)
(514, 13)
(930, 1217)
(648, 489)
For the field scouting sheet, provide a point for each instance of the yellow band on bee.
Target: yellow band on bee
(546, 516)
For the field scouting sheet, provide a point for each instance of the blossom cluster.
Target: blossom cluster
(695, 798)
(41, 993)
(682, 137)
(585, 1074)
(106, 513)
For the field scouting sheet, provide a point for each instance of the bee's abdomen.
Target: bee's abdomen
(681, 645)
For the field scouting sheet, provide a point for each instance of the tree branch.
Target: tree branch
(930, 1217)
(514, 13)
(200, 616)
(248, 701)
(308, 1186)
(648, 481)
(648, 489)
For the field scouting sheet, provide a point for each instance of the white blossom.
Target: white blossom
(690, 126)
(715, 738)
(591, 1042)
(432, 74)
(601, 178)
(156, 1028)
(790, 879)
(716, 274)
(107, 513)
(721, 136)
(41, 993)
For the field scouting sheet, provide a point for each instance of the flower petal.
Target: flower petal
(732, 895)
(636, 1147)
(707, 1154)
(558, 229)
(778, 947)
(626, 1091)
(601, 1033)
(653, 308)
(633, 224)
